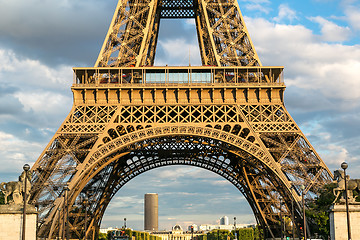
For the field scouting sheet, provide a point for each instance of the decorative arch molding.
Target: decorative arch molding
(231, 170)
(98, 158)
(119, 147)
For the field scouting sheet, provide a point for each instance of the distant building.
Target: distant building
(151, 208)
(176, 233)
(106, 230)
(195, 227)
(224, 220)
(230, 227)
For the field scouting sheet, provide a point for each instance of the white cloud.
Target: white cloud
(330, 69)
(334, 154)
(24, 72)
(190, 22)
(37, 89)
(179, 52)
(125, 202)
(175, 174)
(353, 16)
(285, 13)
(326, 78)
(55, 31)
(260, 7)
(334, 80)
(44, 102)
(220, 182)
(16, 152)
(330, 31)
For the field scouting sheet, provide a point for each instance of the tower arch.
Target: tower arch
(231, 106)
(238, 160)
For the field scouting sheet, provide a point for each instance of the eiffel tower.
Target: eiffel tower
(128, 117)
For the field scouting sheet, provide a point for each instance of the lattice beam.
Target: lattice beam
(222, 34)
(228, 118)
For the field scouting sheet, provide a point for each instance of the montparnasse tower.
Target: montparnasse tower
(151, 209)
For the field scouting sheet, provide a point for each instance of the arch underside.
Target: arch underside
(219, 138)
(241, 169)
(259, 185)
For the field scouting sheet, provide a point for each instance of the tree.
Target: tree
(2, 198)
(103, 236)
(318, 211)
(202, 237)
(129, 232)
(258, 233)
(246, 233)
(219, 235)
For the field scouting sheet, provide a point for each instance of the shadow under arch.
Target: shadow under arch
(239, 161)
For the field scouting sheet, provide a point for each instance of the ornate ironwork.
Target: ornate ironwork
(132, 36)
(126, 119)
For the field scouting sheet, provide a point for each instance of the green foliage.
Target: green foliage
(2, 198)
(140, 235)
(258, 233)
(201, 237)
(219, 235)
(108, 235)
(357, 198)
(356, 194)
(103, 236)
(246, 233)
(129, 232)
(318, 211)
(242, 233)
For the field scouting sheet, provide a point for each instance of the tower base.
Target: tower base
(338, 221)
(11, 222)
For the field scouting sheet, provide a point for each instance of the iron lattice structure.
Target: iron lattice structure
(128, 118)
(222, 34)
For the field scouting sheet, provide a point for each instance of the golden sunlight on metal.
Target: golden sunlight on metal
(227, 116)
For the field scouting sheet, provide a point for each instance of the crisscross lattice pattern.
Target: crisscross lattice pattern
(275, 159)
(133, 33)
(124, 122)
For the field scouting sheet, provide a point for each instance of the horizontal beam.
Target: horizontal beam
(176, 95)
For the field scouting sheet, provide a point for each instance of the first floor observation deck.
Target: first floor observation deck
(182, 85)
(187, 76)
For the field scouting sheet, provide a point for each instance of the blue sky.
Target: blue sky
(317, 41)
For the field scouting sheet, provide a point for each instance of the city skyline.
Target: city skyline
(191, 196)
(195, 227)
(316, 42)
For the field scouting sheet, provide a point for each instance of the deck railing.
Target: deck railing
(178, 75)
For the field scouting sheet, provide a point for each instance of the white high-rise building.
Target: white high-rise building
(224, 220)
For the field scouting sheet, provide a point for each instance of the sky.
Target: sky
(317, 41)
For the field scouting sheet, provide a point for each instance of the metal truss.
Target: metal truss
(222, 34)
(129, 117)
(264, 162)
